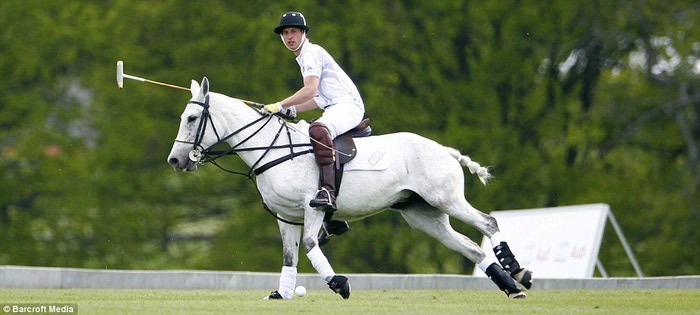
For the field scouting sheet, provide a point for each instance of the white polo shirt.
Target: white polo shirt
(335, 86)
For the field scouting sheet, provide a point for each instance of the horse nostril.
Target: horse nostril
(173, 161)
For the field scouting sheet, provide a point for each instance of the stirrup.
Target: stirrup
(323, 203)
(331, 228)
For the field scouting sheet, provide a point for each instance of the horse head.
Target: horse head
(195, 133)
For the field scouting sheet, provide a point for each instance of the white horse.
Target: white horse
(417, 177)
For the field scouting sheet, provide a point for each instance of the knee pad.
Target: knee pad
(323, 144)
(318, 131)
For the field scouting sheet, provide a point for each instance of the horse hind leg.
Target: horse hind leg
(488, 225)
(503, 253)
(424, 217)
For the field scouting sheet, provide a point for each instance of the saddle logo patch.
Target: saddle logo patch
(370, 158)
(376, 156)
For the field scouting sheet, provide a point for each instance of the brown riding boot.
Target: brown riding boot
(325, 159)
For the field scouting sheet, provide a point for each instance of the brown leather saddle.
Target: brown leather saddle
(345, 149)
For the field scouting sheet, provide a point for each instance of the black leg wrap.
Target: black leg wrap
(504, 281)
(506, 258)
(524, 277)
(510, 264)
(339, 284)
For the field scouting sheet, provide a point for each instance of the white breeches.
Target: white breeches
(341, 117)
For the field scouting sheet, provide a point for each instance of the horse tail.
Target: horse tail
(474, 167)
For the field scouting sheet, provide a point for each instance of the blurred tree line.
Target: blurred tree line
(571, 102)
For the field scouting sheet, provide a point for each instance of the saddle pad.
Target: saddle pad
(370, 157)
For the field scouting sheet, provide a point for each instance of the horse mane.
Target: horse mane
(225, 99)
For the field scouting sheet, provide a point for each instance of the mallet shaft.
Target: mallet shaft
(121, 75)
(128, 76)
(165, 84)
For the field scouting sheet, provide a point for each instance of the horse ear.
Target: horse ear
(205, 86)
(194, 88)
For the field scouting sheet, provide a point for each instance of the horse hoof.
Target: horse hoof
(524, 278)
(341, 285)
(274, 295)
(519, 295)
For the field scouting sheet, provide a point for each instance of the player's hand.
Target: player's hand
(270, 109)
(289, 112)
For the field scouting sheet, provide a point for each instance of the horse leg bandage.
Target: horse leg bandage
(288, 280)
(320, 263)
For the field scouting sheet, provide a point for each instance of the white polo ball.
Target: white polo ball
(300, 291)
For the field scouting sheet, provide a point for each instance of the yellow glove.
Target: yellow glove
(271, 108)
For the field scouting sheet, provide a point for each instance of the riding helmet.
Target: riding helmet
(292, 19)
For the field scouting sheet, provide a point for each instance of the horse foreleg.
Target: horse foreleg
(290, 258)
(313, 219)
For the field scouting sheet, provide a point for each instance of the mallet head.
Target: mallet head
(120, 74)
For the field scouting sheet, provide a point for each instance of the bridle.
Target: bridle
(200, 155)
(197, 149)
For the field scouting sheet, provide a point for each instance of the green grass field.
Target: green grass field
(102, 301)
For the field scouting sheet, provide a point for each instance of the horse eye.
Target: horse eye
(192, 118)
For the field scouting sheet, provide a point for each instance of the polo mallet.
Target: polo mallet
(121, 75)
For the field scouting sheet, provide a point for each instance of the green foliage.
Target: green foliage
(565, 100)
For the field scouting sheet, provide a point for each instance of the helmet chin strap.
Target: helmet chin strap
(303, 41)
